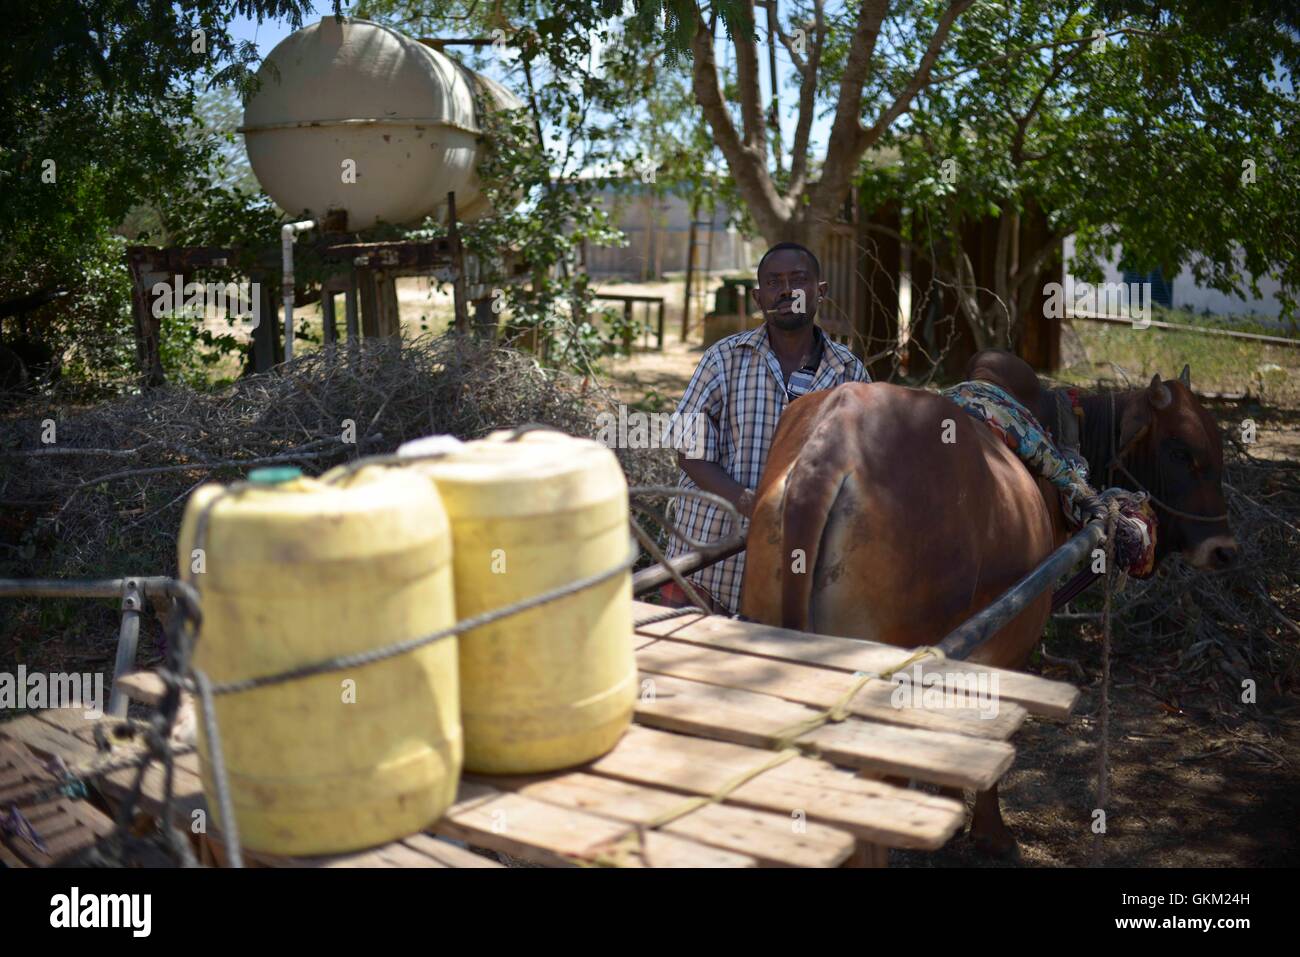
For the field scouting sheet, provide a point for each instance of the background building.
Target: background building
(658, 230)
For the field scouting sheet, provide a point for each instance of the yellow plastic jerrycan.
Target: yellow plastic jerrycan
(555, 686)
(292, 571)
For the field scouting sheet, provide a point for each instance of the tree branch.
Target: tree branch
(751, 108)
(748, 166)
(1034, 47)
(1022, 122)
(917, 251)
(807, 98)
(920, 79)
(1029, 271)
(842, 154)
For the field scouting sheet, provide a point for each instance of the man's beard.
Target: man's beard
(791, 322)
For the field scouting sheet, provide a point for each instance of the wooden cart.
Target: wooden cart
(732, 761)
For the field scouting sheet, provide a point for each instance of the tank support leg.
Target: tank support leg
(459, 292)
(327, 316)
(350, 310)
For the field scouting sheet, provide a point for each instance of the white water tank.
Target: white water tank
(400, 111)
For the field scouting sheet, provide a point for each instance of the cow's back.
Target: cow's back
(868, 524)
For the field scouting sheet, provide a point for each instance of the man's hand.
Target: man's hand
(713, 478)
(745, 503)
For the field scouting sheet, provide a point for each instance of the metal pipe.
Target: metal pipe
(648, 579)
(128, 640)
(99, 588)
(982, 626)
(1184, 327)
(133, 592)
(287, 233)
(153, 587)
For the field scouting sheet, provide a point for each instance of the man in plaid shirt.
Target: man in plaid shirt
(740, 388)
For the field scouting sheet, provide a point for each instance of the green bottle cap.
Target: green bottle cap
(275, 474)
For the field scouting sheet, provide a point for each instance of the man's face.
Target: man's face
(788, 290)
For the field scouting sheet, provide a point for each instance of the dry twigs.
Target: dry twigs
(106, 497)
(1213, 632)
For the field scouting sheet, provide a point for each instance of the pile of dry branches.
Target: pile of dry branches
(105, 498)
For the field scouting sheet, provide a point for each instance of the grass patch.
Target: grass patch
(1096, 350)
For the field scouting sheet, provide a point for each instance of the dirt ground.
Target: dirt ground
(1194, 782)
(1185, 791)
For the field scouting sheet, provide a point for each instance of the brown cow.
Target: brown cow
(904, 535)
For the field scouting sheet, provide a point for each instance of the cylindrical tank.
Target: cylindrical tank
(294, 571)
(352, 115)
(555, 686)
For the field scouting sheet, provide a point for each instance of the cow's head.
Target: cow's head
(1176, 452)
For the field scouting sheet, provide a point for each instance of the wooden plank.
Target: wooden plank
(415, 851)
(936, 757)
(824, 689)
(396, 854)
(761, 721)
(47, 739)
(433, 254)
(187, 790)
(872, 810)
(451, 855)
(536, 831)
(64, 826)
(1039, 696)
(143, 686)
(773, 840)
(392, 855)
(73, 734)
(9, 859)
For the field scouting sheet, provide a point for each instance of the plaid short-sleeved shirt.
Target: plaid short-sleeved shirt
(739, 388)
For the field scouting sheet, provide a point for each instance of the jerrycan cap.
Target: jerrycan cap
(430, 446)
(275, 474)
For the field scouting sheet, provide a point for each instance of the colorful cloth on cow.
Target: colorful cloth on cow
(739, 388)
(1065, 468)
(1021, 433)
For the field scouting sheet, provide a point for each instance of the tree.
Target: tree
(590, 116)
(97, 114)
(1136, 131)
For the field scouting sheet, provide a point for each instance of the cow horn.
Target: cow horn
(1159, 393)
(1185, 377)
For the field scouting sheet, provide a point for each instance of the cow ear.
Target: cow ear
(1158, 393)
(1185, 377)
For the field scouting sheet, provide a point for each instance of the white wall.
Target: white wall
(1187, 295)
